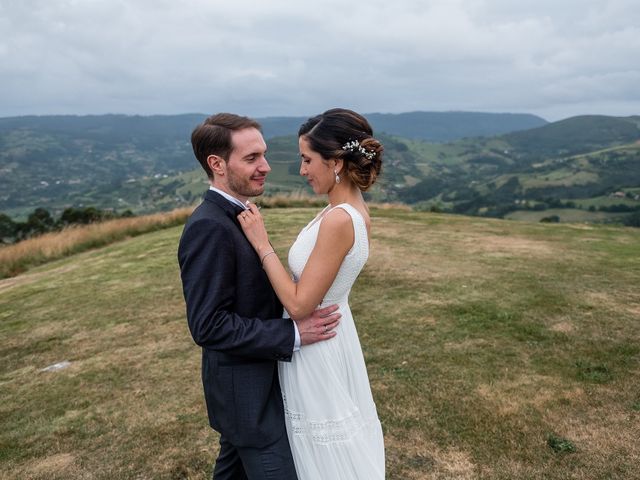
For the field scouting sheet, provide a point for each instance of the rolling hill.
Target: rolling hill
(145, 163)
(577, 159)
(58, 161)
(590, 163)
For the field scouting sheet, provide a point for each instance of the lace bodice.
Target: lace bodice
(352, 264)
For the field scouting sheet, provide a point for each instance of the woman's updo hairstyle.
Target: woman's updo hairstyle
(344, 134)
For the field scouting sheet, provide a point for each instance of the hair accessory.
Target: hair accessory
(354, 145)
(337, 176)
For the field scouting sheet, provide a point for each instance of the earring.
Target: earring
(337, 176)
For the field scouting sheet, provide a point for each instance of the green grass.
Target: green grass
(560, 445)
(561, 177)
(495, 350)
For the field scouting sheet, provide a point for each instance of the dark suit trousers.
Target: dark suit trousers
(272, 462)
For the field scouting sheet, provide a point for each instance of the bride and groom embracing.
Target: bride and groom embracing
(289, 396)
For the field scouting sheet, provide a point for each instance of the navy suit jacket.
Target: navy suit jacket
(235, 316)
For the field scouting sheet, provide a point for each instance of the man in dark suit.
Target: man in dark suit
(232, 311)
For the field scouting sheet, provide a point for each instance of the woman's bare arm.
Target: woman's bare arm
(335, 238)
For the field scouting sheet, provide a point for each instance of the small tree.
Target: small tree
(39, 222)
(7, 229)
(632, 220)
(81, 215)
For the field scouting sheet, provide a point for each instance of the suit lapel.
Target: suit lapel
(230, 209)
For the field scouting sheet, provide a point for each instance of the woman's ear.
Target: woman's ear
(339, 163)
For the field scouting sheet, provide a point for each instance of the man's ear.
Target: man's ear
(216, 164)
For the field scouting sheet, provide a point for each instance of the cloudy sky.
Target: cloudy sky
(553, 58)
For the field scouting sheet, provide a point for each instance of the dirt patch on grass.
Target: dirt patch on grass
(425, 265)
(634, 310)
(50, 466)
(514, 395)
(412, 264)
(423, 460)
(562, 327)
(615, 301)
(496, 245)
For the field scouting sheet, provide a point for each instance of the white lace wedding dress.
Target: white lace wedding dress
(331, 418)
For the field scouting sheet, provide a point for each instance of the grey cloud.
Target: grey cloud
(553, 58)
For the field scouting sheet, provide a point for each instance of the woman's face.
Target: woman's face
(319, 172)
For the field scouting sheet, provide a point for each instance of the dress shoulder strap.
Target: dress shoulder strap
(359, 225)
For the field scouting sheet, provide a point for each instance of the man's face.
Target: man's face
(246, 168)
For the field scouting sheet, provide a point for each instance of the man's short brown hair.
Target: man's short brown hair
(213, 136)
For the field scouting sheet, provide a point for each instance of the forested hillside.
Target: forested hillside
(145, 164)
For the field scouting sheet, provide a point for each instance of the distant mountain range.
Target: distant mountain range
(148, 130)
(474, 163)
(428, 126)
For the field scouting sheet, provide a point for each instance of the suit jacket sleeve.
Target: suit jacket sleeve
(208, 269)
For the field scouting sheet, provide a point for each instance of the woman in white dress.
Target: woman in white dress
(331, 419)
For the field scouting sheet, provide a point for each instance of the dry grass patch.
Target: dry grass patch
(418, 458)
(53, 466)
(634, 310)
(525, 392)
(562, 327)
(606, 436)
(497, 245)
(420, 253)
(16, 258)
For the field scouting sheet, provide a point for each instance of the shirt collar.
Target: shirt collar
(231, 198)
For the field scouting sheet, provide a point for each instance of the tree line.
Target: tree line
(41, 221)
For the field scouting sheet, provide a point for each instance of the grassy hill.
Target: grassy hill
(575, 163)
(495, 350)
(583, 134)
(119, 161)
(145, 164)
(70, 160)
(571, 167)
